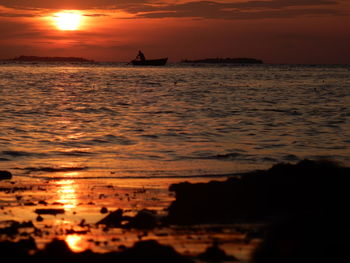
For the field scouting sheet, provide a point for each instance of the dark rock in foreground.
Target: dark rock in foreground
(151, 251)
(305, 238)
(113, 219)
(308, 187)
(58, 251)
(5, 175)
(215, 254)
(17, 251)
(144, 219)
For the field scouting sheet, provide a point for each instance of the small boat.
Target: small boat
(150, 62)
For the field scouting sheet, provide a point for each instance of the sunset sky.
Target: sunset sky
(277, 31)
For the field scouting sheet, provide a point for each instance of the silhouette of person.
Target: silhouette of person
(141, 56)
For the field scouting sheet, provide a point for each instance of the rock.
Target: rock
(104, 210)
(55, 251)
(151, 251)
(4, 175)
(144, 219)
(49, 211)
(316, 187)
(58, 251)
(305, 238)
(215, 254)
(113, 219)
(17, 251)
(13, 229)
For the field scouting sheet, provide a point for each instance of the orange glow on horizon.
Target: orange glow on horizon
(68, 20)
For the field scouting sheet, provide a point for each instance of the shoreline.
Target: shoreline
(105, 217)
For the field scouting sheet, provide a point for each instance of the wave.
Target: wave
(52, 169)
(20, 154)
(217, 176)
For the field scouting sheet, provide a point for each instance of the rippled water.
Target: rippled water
(174, 121)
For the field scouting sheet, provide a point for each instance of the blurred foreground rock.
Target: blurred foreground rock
(308, 187)
(58, 251)
(5, 175)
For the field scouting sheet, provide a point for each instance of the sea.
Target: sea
(186, 121)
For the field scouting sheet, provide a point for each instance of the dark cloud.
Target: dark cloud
(95, 15)
(239, 10)
(275, 4)
(218, 13)
(3, 14)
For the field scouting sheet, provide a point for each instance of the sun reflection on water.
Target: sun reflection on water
(67, 192)
(76, 243)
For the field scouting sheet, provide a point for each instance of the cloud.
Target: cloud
(95, 15)
(139, 5)
(4, 14)
(237, 10)
(68, 4)
(218, 9)
(225, 11)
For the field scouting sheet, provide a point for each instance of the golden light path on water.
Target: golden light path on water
(76, 242)
(67, 193)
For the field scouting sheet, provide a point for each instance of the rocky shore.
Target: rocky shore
(296, 211)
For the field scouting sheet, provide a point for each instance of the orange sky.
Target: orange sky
(277, 31)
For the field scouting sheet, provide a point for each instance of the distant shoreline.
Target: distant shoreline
(50, 59)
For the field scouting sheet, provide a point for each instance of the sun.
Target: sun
(67, 20)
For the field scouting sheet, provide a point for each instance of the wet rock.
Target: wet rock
(58, 251)
(49, 211)
(17, 251)
(82, 223)
(314, 186)
(104, 210)
(5, 175)
(305, 238)
(27, 244)
(113, 219)
(152, 251)
(9, 190)
(24, 224)
(215, 254)
(78, 232)
(144, 219)
(13, 228)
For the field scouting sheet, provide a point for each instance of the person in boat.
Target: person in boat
(141, 56)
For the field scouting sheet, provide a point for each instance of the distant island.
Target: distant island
(50, 59)
(225, 61)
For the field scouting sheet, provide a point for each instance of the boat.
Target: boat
(150, 62)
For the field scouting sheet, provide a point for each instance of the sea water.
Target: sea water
(119, 121)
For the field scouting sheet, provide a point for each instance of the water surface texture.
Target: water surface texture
(175, 121)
